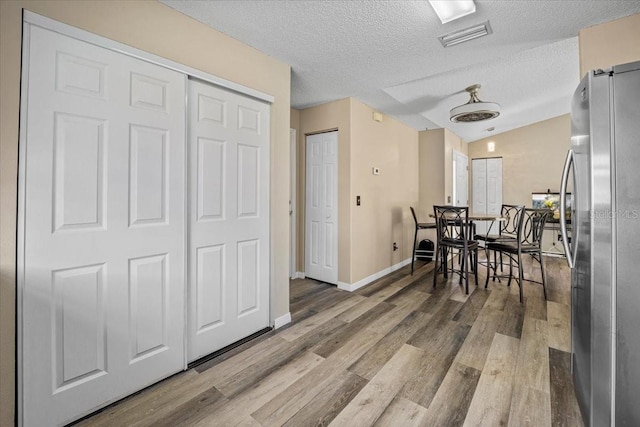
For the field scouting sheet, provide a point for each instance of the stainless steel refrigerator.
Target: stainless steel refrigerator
(604, 248)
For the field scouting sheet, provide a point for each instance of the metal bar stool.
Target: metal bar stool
(454, 234)
(530, 226)
(420, 226)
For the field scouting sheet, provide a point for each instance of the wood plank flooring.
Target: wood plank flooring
(394, 353)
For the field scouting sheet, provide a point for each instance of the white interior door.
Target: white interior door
(229, 217)
(494, 186)
(321, 222)
(487, 189)
(479, 182)
(461, 179)
(102, 312)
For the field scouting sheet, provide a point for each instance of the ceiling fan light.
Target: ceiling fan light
(474, 110)
(449, 10)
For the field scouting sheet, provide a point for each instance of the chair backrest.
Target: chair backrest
(512, 214)
(452, 222)
(415, 219)
(532, 222)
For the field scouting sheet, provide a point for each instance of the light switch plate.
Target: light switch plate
(375, 170)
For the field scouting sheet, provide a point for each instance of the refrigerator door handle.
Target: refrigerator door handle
(563, 209)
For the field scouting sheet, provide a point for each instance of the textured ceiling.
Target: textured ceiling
(387, 53)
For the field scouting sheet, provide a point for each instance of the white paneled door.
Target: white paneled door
(479, 183)
(461, 179)
(229, 218)
(103, 284)
(487, 189)
(321, 222)
(494, 186)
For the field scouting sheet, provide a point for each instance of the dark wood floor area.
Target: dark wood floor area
(394, 353)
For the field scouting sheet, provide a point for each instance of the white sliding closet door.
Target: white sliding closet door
(487, 190)
(229, 217)
(102, 310)
(494, 186)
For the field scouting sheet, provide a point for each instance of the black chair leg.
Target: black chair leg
(490, 268)
(475, 268)
(520, 277)
(413, 254)
(544, 276)
(438, 260)
(465, 263)
(445, 258)
(473, 263)
(495, 264)
(486, 280)
(510, 269)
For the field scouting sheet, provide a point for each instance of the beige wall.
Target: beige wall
(294, 119)
(611, 43)
(144, 25)
(331, 116)
(436, 168)
(384, 216)
(431, 171)
(532, 158)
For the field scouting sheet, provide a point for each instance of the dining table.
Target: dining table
(473, 217)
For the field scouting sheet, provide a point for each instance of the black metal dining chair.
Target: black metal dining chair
(453, 234)
(507, 232)
(420, 226)
(529, 238)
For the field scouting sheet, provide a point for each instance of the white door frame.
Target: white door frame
(293, 203)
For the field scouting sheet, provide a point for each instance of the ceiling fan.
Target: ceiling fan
(475, 110)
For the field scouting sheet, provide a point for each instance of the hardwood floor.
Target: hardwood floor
(394, 353)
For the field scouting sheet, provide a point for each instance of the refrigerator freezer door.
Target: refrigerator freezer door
(581, 240)
(626, 105)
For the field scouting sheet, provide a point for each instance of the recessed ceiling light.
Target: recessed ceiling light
(466, 34)
(449, 10)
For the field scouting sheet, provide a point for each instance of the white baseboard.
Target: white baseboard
(360, 283)
(279, 322)
(297, 275)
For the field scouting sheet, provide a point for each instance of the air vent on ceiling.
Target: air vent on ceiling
(465, 35)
